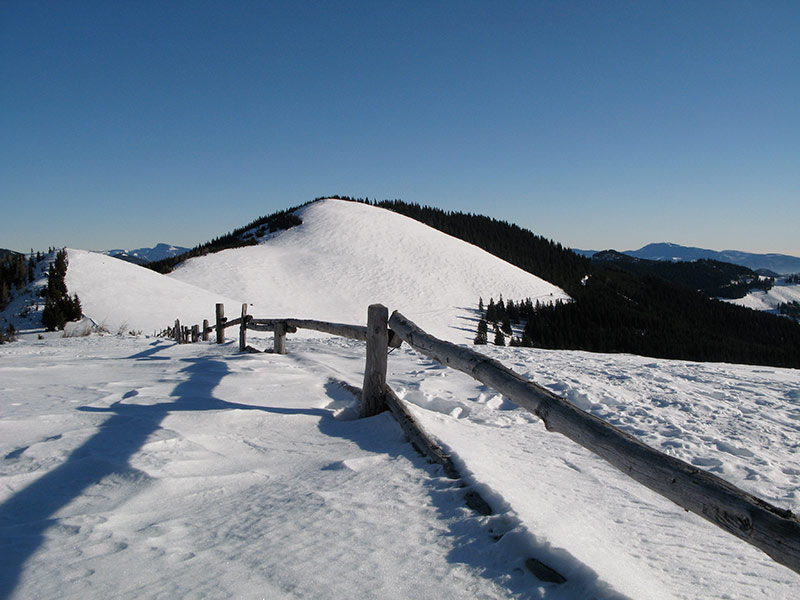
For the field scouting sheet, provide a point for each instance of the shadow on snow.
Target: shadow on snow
(26, 516)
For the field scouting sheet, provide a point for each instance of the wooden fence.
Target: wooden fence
(771, 529)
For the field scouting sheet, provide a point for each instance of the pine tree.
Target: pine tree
(59, 307)
(491, 311)
(499, 338)
(506, 326)
(481, 337)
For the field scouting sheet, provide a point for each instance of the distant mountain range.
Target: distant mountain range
(142, 256)
(781, 264)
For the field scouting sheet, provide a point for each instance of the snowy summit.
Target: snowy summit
(344, 257)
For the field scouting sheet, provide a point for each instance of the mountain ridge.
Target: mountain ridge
(142, 256)
(781, 264)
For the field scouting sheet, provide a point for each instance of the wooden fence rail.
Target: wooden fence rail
(773, 530)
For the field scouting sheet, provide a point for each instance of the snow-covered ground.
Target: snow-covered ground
(134, 467)
(780, 293)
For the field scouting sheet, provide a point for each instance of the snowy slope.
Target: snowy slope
(122, 296)
(768, 301)
(346, 256)
(132, 467)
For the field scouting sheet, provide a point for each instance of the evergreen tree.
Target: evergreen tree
(506, 326)
(499, 338)
(481, 337)
(491, 311)
(59, 308)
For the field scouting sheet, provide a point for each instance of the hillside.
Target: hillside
(136, 467)
(782, 293)
(345, 256)
(617, 309)
(122, 296)
(713, 278)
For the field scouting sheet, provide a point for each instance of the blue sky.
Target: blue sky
(598, 124)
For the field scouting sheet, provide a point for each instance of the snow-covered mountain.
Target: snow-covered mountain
(136, 467)
(782, 264)
(344, 257)
(147, 255)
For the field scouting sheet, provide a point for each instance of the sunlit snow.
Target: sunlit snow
(135, 467)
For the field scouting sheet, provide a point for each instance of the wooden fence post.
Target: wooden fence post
(373, 393)
(205, 330)
(220, 323)
(243, 329)
(178, 330)
(195, 333)
(280, 338)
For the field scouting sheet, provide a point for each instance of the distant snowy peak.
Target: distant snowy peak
(147, 255)
(781, 264)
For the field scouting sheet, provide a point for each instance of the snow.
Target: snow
(346, 256)
(121, 296)
(779, 293)
(134, 467)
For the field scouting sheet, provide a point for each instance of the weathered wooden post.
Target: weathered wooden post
(205, 330)
(373, 394)
(280, 338)
(243, 329)
(178, 330)
(220, 323)
(195, 333)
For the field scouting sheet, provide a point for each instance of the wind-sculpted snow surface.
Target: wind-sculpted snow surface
(346, 256)
(740, 422)
(134, 467)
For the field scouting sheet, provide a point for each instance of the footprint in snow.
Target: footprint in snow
(730, 449)
(707, 463)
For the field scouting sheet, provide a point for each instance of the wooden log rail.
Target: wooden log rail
(771, 529)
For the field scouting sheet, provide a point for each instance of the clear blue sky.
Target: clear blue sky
(598, 124)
